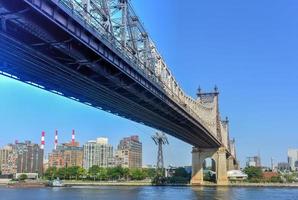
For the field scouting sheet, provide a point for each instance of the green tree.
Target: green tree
(178, 180)
(115, 173)
(137, 174)
(23, 177)
(50, 173)
(82, 173)
(253, 173)
(276, 179)
(290, 178)
(102, 174)
(159, 179)
(150, 172)
(181, 172)
(73, 172)
(93, 171)
(62, 173)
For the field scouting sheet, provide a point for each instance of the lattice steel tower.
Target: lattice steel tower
(160, 139)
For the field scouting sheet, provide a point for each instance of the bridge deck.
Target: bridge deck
(43, 44)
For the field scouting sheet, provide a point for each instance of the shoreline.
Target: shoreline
(260, 185)
(106, 183)
(68, 183)
(277, 185)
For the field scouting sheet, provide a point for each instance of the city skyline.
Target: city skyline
(108, 120)
(249, 85)
(67, 138)
(52, 145)
(29, 157)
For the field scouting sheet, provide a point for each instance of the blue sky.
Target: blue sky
(248, 48)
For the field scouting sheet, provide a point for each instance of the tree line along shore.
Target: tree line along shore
(149, 176)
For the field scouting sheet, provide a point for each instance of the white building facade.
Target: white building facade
(293, 159)
(97, 152)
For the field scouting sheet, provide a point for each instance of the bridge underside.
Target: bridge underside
(38, 46)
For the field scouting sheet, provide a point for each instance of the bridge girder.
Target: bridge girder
(90, 50)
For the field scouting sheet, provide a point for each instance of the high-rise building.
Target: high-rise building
(293, 158)
(98, 152)
(11, 166)
(29, 157)
(129, 152)
(56, 159)
(254, 161)
(66, 155)
(8, 160)
(4, 152)
(282, 166)
(45, 164)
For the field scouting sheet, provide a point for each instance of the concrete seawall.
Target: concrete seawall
(107, 183)
(4, 181)
(292, 185)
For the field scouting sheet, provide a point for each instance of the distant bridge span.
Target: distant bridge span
(97, 52)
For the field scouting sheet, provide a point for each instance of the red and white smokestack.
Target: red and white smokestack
(73, 137)
(56, 140)
(42, 140)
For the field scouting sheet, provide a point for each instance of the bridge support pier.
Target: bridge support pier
(198, 157)
(231, 164)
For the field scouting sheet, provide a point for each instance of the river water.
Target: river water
(149, 193)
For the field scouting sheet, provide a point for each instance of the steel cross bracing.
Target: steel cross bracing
(119, 28)
(118, 22)
(160, 139)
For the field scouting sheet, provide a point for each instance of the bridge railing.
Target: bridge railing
(76, 7)
(162, 79)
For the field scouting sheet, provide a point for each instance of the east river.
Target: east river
(149, 193)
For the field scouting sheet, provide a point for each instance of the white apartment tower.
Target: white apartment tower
(293, 159)
(97, 152)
